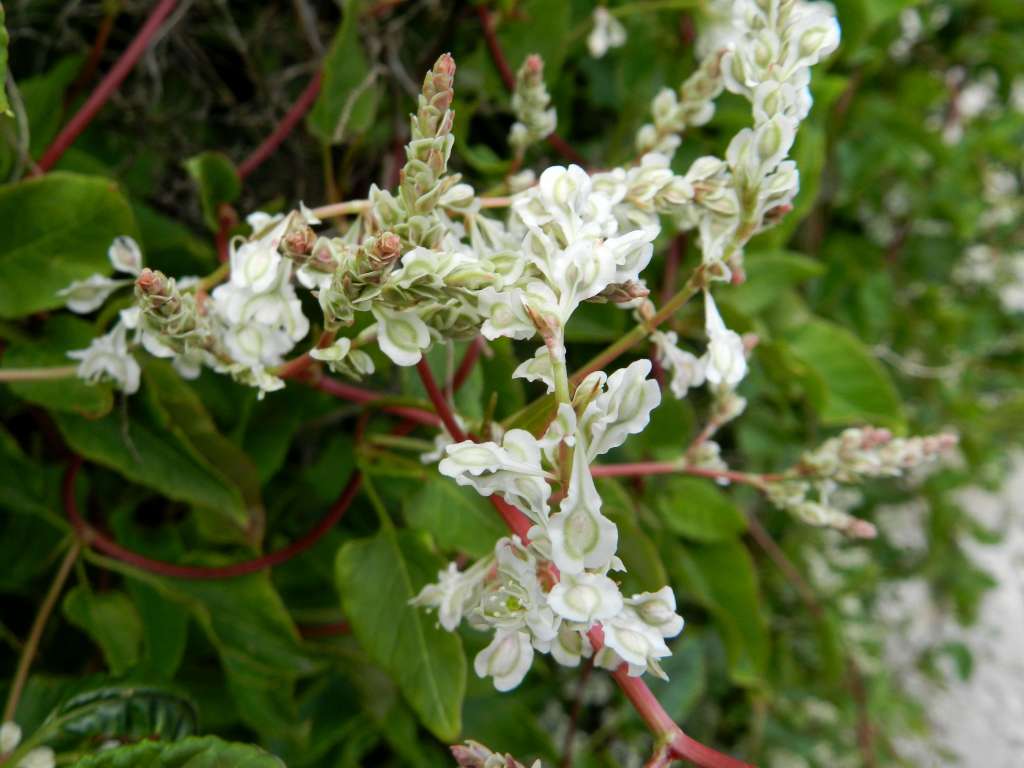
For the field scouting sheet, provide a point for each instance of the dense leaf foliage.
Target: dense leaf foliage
(235, 570)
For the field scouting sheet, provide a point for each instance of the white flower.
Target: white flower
(10, 737)
(108, 357)
(512, 470)
(341, 358)
(84, 296)
(454, 593)
(585, 597)
(687, 369)
(725, 361)
(255, 344)
(125, 255)
(537, 368)
(40, 757)
(507, 659)
(505, 314)
(581, 537)
(634, 642)
(608, 32)
(623, 410)
(402, 335)
(256, 264)
(570, 646)
(658, 611)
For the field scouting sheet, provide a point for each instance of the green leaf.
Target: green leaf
(195, 752)
(59, 335)
(696, 509)
(854, 385)
(255, 637)
(537, 26)
(218, 183)
(111, 620)
(456, 516)
(125, 713)
(769, 275)
(186, 417)
(722, 578)
(426, 662)
(56, 229)
(686, 677)
(348, 99)
(157, 460)
(4, 106)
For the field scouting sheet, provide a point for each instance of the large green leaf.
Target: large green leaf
(184, 415)
(723, 579)
(158, 460)
(769, 276)
(111, 620)
(376, 578)
(218, 183)
(348, 98)
(456, 516)
(59, 335)
(195, 752)
(125, 713)
(854, 386)
(694, 508)
(56, 229)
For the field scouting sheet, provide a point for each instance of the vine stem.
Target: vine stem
(665, 730)
(287, 124)
(642, 330)
(28, 652)
(348, 207)
(508, 77)
(38, 374)
(106, 88)
(646, 468)
(636, 690)
(89, 536)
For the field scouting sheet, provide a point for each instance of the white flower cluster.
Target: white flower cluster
(607, 33)
(548, 594)
(244, 327)
(473, 754)
(848, 458)
(10, 738)
(535, 117)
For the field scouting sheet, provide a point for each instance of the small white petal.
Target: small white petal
(507, 659)
(585, 597)
(125, 255)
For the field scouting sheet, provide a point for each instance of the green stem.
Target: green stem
(36, 633)
(643, 330)
(38, 374)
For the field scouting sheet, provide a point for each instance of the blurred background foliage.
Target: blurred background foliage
(890, 295)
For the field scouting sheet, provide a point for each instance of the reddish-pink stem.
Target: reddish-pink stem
(368, 396)
(107, 86)
(508, 77)
(96, 540)
(645, 468)
(468, 361)
(658, 720)
(291, 118)
(440, 402)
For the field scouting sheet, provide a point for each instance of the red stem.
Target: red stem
(438, 399)
(508, 77)
(107, 86)
(659, 721)
(645, 468)
(96, 540)
(291, 118)
(468, 361)
(368, 396)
